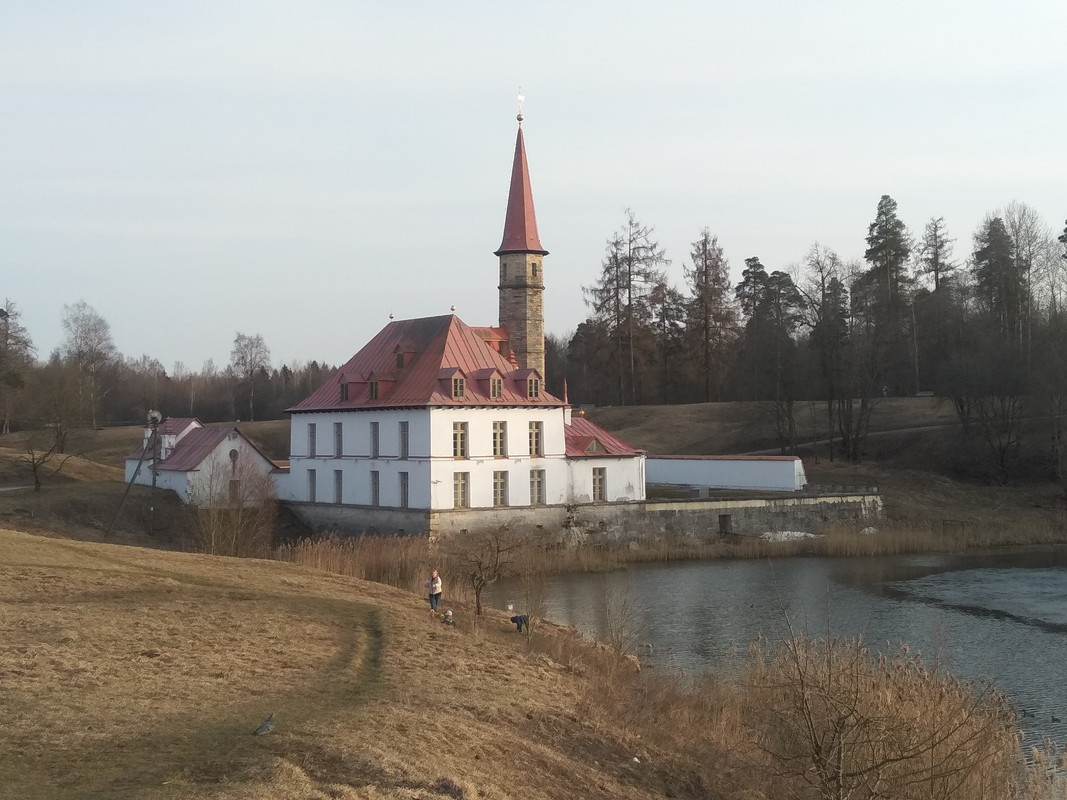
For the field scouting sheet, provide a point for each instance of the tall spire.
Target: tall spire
(520, 224)
(522, 284)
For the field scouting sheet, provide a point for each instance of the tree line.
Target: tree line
(86, 382)
(985, 328)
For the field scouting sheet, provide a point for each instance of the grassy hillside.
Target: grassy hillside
(131, 673)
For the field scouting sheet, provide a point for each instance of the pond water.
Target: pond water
(998, 616)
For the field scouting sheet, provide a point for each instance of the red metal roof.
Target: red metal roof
(520, 224)
(440, 348)
(193, 448)
(586, 439)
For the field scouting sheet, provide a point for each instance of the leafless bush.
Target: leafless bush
(623, 619)
(233, 507)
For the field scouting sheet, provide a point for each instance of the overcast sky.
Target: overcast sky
(302, 170)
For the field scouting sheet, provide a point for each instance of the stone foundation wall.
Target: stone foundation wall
(664, 520)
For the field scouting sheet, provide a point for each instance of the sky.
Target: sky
(302, 170)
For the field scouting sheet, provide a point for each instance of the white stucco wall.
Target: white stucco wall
(432, 467)
(354, 461)
(775, 473)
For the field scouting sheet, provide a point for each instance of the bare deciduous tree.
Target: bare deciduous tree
(234, 506)
(249, 356)
(89, 346)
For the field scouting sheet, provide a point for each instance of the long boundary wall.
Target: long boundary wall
(663, 520)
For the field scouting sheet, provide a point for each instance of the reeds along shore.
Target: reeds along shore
(404, 562)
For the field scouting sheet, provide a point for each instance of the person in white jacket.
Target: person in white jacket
(433, 586)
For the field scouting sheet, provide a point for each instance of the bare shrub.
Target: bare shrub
(530, 567)
(843, 722)
(233, 506)
(623, 619)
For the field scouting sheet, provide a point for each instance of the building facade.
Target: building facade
(434, 417)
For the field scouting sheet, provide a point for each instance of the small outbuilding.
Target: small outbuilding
(200, 464)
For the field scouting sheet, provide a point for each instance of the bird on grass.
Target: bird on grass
(266, 726)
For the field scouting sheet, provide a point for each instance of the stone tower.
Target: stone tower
(522, 282)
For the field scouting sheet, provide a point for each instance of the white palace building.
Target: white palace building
(436, 427)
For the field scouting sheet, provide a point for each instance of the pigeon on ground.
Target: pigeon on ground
(266, 726)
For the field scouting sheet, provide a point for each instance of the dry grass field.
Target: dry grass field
(132, 673)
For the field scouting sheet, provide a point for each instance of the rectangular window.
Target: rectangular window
(404, 490)
(600, 480)
(375, 488)
(399, 360)
(311, 440)
(311, 486)
(533, 388)
(338, 440)
(458, 387)
(496, 388)
(375, 440)
(235, 491)
(500, 488)
(344, 392)
(459, 440)
(404, 440)
(461, 489)
(338, 485)
(537, 487)
(537, 439)
(500, 439)
(373, 392)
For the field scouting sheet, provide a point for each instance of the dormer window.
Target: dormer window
(533, 388)
(399, 360)
(496, 388)
(344, 392)
(373, 393)
(459, 386)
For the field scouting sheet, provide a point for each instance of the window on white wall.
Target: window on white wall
(338, 485)
(404, 443)
(459, 440)
(311, 440)
(404, 490)
(311, 486)
(338, 440)
(537, 487)
(461, 489)
(537, 438)
(600, 480)
(375, 488)
(500, 488)
(375, 440)
(500, 439)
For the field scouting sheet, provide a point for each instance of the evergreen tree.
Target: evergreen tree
(633, 266)
(935, 252)
(712, 313)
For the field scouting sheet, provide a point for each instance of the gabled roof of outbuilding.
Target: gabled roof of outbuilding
(439, 346)
(193, 448)
(586, 439)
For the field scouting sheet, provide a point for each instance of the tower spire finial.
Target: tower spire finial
(522, 97)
